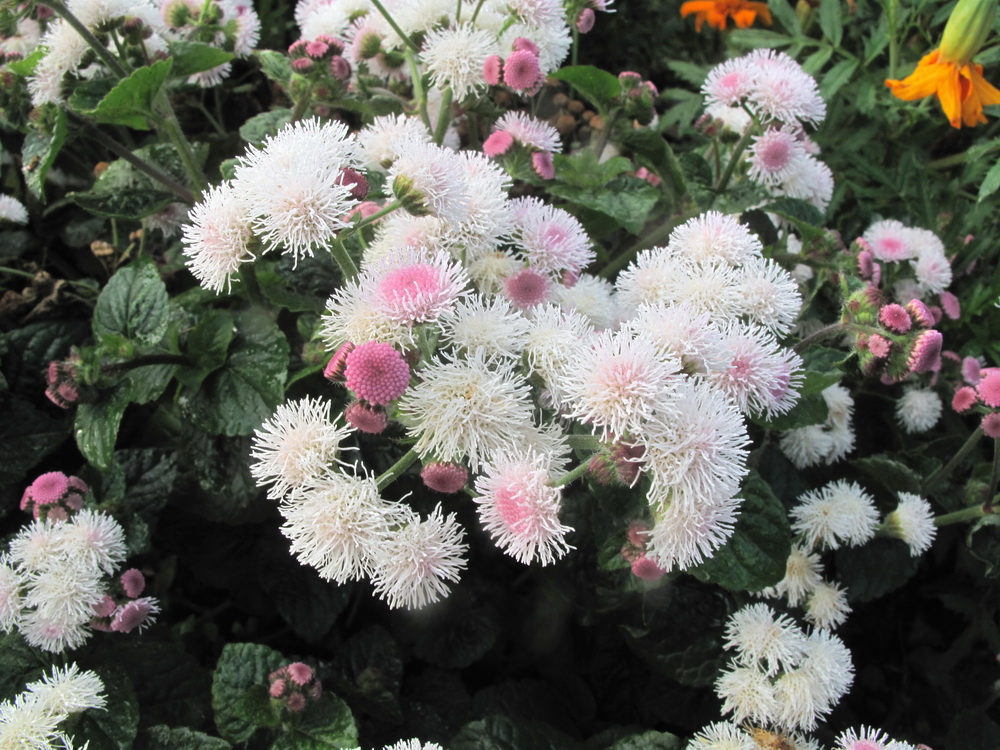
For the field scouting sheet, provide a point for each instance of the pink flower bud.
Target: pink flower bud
(964, 399)
(527, 288)
(334, 370)
(895, 318)
(300, 673)
(542, 163)
(585, 21)
(523, 44)
(498, 143)
(493, 70)
(647, 569)
(365, 418)
(448, 478)
(521, 70)
(133, 583)
(991, 425)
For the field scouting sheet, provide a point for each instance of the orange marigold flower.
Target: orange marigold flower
(716, 12)
(960, 88)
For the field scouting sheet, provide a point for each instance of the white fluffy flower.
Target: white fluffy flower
(11, 583)
(412, 285)
(430, 179)
(810, 180)
(769, 295)
(353, 314)
(713, 237)
(11, 209)
(827, 606)
(454, 57)
(413, 565)
(31, 720)
(549, 238)
(763, 639)
(470, 408)
(913, 522)
(529, 131)
(682, 332)
(687, 532)
(918, 409)
(92, 540)
(839, 513)
(802, 576)
(555, 339)
(294, 186)
(592, 297)
(747, 693)
(487, 323)
(218, 238)
(385, 138)
(295, 446)
(722, 735)
(761, 376)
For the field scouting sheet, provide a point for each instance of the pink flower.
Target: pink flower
(317, 49)
(951, 305)
(334, 370)
(964, 399)
(498, 143)
(296, 702)
(889, 240)
(530, 132)
(925, 352)
(971, 370)
(895, 318)
(991, 425)
(920, 313)
(49, 488)
(300, 673)
(106, 607)
(348, 176)
(365, 418)
(412, 287)
(585, 21)
(133, 615)
(543, 164)
(133, 582)
(444, 477)
(647, 569)
(493, 70)
(866, 262)
(879, 346)
(527, 288)
(377, 373)
(301, 64)
(521, 44)
(277, 688)
(989, 389)
(521, 70)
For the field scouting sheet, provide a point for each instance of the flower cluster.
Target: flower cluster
(53, 496)
(781, 676)
(32, 718)
(294, 686)
(825, 443)
(56, 578)
(725, 735)
(981, 393)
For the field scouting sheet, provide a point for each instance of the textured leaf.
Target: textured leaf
(837, 77)
(39, 153)
(325, 725)
(894, 475)
(810, 409)
(983, 539)
(96, 427)
(27, 435)
(368, 672)
(755, 556)
(182, 738)
(991, 182)
(654, 148)
(150, 475)
(506, 733)
(19, 664)
(874, 569)
(133, 305)
(831, 20)
(123, 192)
(236, 399)
(130, 102)
(648, 741)
(207, 347)
(222, 470)
(598, 86)
(195, 57)
(26, 67)
(275, 65)
(259, 127)
(459, 641)
(805, 216)
(241, 667)
(627, 200)
(31, 348)
(115, 726)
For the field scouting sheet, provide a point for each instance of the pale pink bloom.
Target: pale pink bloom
(773, 156)
(521, 70)
(217, 241)
(550, 238)
(864, 738)
(782, 91)
(377, 373)
(520, 509)
(585, 20)
(890, 240)
(136, 614)
(412, 285)
(133, 583)
(988, 388)
(759, 375)
(444, 477)
(933, 271)
(729, 82)
(527, 288)
(530, 132)
(454, 57)
(895, 318)
(964, 399)
(493, 70)
(432, 180)
(971, 370)
(498, 143)
(366, 418)
(543, 164)
(991, 425)
(714, 236)
(952, 307)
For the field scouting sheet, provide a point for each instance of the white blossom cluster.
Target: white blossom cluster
(33, 718)
(781, 676)
(56, 581)
(920, 266)
(824, 443)
(726, 735)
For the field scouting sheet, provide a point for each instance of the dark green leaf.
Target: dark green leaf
(461, 640)
(810, 409)
(133, 305)
(837, 77)
(236, 399)
(991, 182)
(326, 725)
(182, 738)
(40, 151)
(893, 475)
(655, 150)
(506, 733)
(123, 192)
(27, 435)
(87, 95)
(275, 65)
(806, 217)
(115, 726)
(627, 200)
(973, 730)
(26, 67)
(222, 469)
(598, 86)
(983, 539)
(96, 427)
(831, 20)
(31, 348)
(755, 556)
(149, 477)
(241, 667)
(648, 741)
(130, 102)
(873, 570)
(195, 57)
(259, 127)
(368, 672)
(207, 347)
(785, 15)
(19, 664)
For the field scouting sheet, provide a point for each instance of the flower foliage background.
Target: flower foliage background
(499, 375)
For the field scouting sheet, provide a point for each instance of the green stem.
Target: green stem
(16, 272)
(166, 124)
(475, 13)
(248, 275)
(147, 168)
(966, 514)
(395, 26)
(92, 41)
(827, 332)
(347, 267)
(303, 103)
(960, 158)
(444, 116)
(576, 45)
(417, 81)
(571, 476)
(394, 471)
(893, 22)
(945, 470)
(584, 442)
(995, 475)
(146, 360)
(387, 209)
(731, 166)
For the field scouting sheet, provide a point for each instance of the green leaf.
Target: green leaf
(26, 67)
(195, 57)
(27, 435)
(831, 20)
(207, 347)
(991, 182)
(39, 153)
(627, 200)
(873, 570)
(240, 667)
(259, 127)
(755, 556)
(648, 741)
(115, 726)
(983, 540)
(506, 733)
(222, 471)
(96, 427)
(754, 38)
(598, 86)
(19, 663)
(785, 14)
(655, 150)
(810, 409)
(368, 672)
(893, 475)
(123, 192)
(181, 738)
(325, 725)
(836, 77)
(130, 102)
(236, 399)
(133, 305)
(460, 640)
(806, 217)
(149, 477)
(275, 65)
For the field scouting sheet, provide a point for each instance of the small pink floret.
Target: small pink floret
(952, 307)
(991, 425)
(526, 288)
(296, 702)
(920, 313)
(444, 477)
(964, 399)
(302, 64)
(277, 688)
(989, 389)
(521, 70)
(493, 70)
(971, 370)
(130, 616)
(498, 143)
(300, 673)
(895, 318)
(316, 49)
(364, 418)
(521, 44)
(585, 21)
(377, 372)
(647, 569)
(334, 370)
(49, 488)
(543, 164)
(879, 346)
(133, 582)
(926, 352)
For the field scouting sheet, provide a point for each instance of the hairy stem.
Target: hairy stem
(395, 26)
(347, 267)
(166, 124)
(966, 514)
(444, 117)
(572, 475)
(959, 456)
(394, 471)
